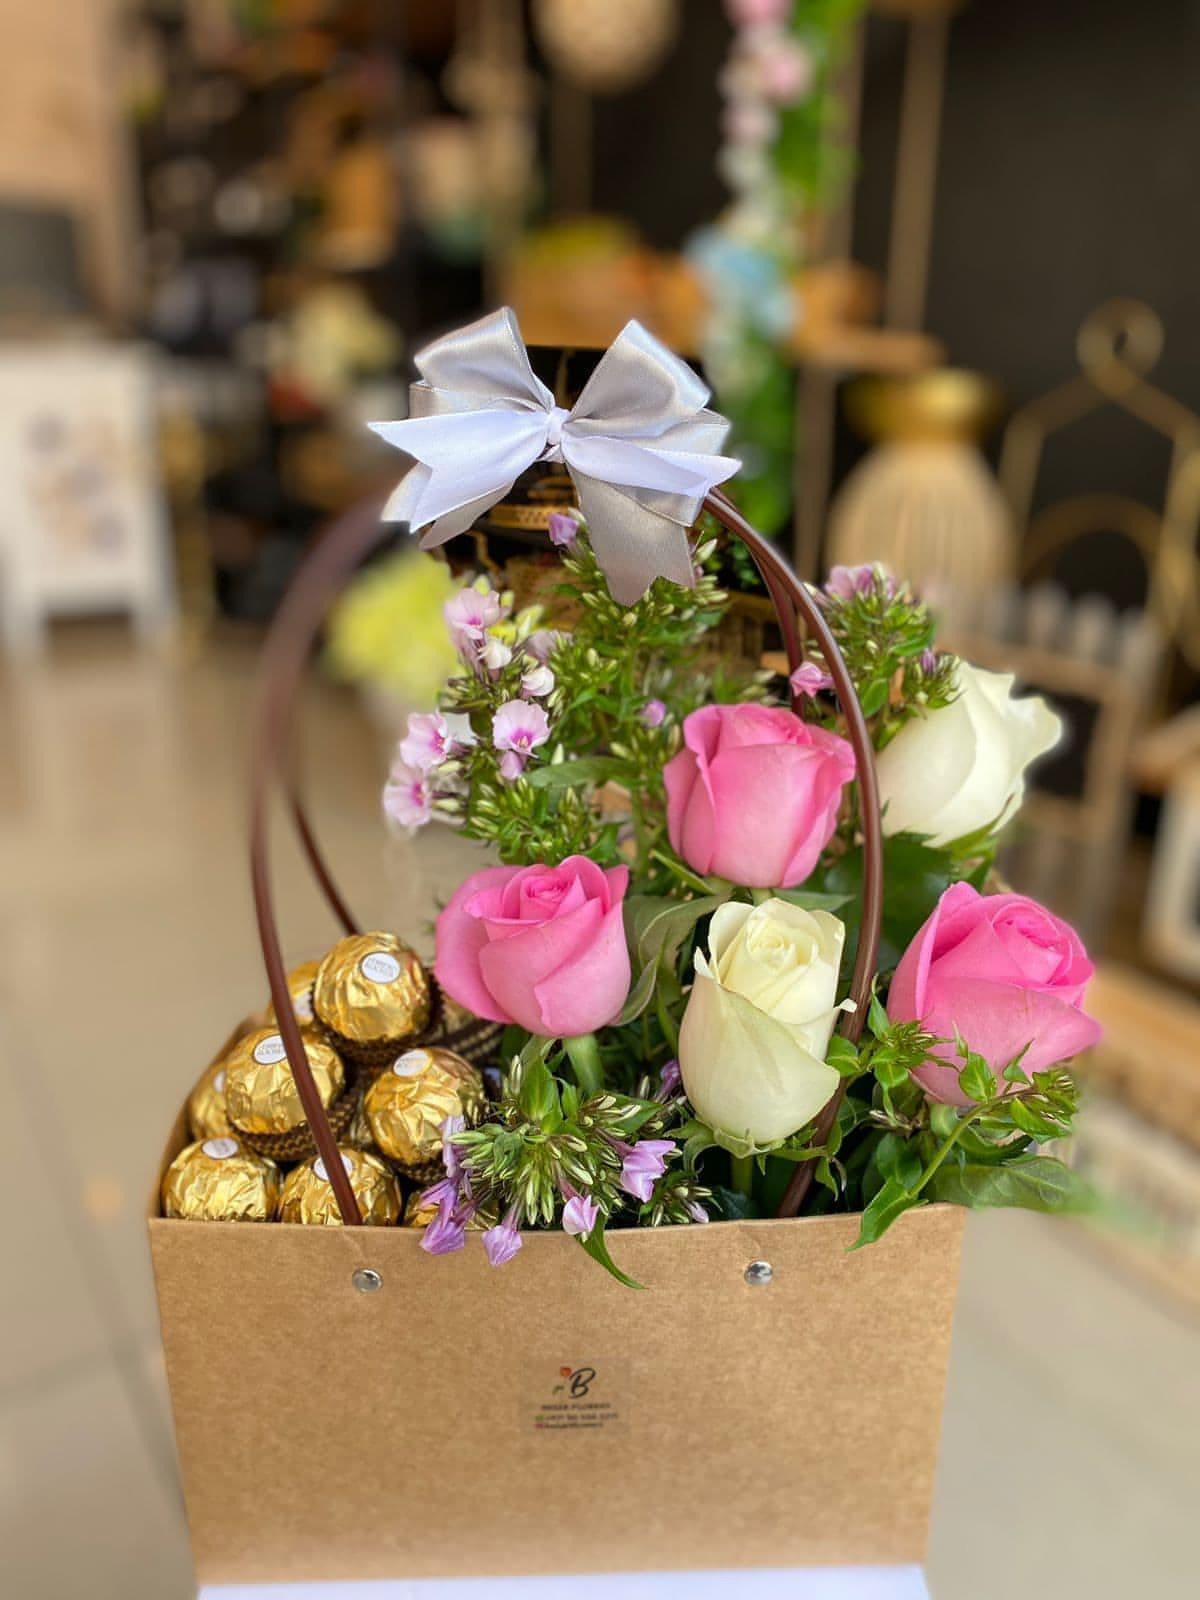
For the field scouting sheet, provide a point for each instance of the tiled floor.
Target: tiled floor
(1071, 1462)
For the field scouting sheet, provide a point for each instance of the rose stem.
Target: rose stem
(585, 1058)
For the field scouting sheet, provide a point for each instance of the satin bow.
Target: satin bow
(638, 444)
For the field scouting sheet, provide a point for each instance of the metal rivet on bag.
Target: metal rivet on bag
(759, 1272)
(366, 1280)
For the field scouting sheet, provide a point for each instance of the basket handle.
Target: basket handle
(289, 641)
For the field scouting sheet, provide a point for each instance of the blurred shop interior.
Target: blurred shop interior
(967, 350)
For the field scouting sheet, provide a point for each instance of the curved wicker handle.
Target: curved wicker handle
(287, 647)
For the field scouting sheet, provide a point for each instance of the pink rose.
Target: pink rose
(1006, 973)
(543, 947)
(753, 796)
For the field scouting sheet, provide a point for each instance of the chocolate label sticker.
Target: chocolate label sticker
(220, 1149)
(380, 967)
(322, 1170)
(410, 1063)
(270, 1050)
(575, 1397)
(302, 1006)
(219, 1081)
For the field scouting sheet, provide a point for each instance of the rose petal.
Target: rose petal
(462, 935)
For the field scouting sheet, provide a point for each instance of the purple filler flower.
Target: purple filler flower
(563, 529)
(469, 614)
(579, 1216)
(504, 1240)
(542, 643)
(433, 736)
(520, 726)
(846, 582)
(809, 679)
(652, 714)
(406, 797)
(444, 1235)
(512, 766)
(644, 1163)
(670, 1079)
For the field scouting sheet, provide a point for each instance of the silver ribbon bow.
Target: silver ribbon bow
(639, 444)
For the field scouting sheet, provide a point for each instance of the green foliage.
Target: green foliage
(614, 660)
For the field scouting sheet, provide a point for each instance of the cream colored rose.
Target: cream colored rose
(757, 1025)
(961, 768)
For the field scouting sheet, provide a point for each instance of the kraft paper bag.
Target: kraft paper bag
(540, 1418)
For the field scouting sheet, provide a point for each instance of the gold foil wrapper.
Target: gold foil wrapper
(208, 1117)
(219, 1180)
(407, 1105)
(300, 982)
(308, 1194)
(372, 992)
(260, 1092)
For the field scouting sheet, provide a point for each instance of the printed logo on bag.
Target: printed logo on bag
(576, 1397)
(410, 1063)
(220, 1149)
(322, 1171)
(380, 967)
(268, 1051)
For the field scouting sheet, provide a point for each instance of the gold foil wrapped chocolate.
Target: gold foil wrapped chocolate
(260, 1093)
(418, 1213)
(300, 982)
(220, 1180)
(371, 995)
(308, 1194)
(407, 1105)
(207, 1115)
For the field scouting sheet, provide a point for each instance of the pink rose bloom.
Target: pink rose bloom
(753, 796)
(543, 947)
(1006, 973)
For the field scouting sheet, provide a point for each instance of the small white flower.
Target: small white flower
(520, 727)
(495, 654)
(537, 682)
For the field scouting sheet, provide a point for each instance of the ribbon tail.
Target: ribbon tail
(633, 544)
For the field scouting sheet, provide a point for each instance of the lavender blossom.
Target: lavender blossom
(563, 528)
(520, 726)
(643, 1164)
(580, 1214)
(434, 736)
(652, 714)
(809, 679)
(538, 682)
(406, 797)
(504, 1240)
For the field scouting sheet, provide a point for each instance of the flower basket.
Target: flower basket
(299, 1463)
(772, 1395)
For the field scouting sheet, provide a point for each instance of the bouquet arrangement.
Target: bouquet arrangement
(663, 938)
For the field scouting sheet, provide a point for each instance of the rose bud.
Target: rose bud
(957, 769)
(1002, 971)
(543, 947)
(757, 1026)
(754, 794)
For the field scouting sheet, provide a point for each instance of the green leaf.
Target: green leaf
(538, 1098)
(943, 1119)
(873, 696)
(1033, 1120)
(569, 774)
(892, 1201)
(812, 899)
(899, 1159)
(976, 1079)
(640, 996)
(597, 1248)
(877, 1017)
(1036, 1183)
(889, 1071)
(842, 1056)
(665, 930)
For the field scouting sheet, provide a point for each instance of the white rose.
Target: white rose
(962, 767)
(753, 1040)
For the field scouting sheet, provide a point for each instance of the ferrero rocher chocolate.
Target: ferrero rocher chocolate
(300, 982)
(206, 1112)
(260, 1092)
(371, 995)
(407, 1105)
(220, 1180)
(308, 1194)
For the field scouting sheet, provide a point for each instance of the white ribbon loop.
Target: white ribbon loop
(640, 445)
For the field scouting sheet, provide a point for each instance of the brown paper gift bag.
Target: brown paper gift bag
(346, 1408)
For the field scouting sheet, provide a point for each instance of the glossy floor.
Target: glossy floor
(1071, 1460)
